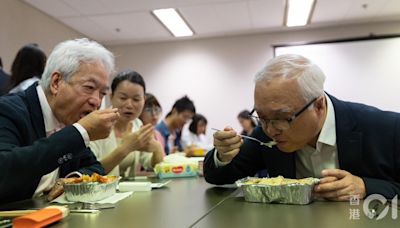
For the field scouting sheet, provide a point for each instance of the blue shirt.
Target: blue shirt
(165, 133)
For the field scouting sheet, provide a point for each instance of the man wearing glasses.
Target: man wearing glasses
(45, 130)
(353, 148)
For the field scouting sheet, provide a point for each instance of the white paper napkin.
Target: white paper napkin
(159, 185)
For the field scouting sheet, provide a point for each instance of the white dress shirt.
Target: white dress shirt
(311, 161)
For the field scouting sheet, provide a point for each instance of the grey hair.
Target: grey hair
(67, 57)
(309, 76)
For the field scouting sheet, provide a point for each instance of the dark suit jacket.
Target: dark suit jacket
(25, 152)
(368, 143)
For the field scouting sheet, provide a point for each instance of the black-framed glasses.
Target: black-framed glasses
(282, 124)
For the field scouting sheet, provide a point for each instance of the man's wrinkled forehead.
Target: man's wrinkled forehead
(93, 72)
(276, 98)
(273, 108)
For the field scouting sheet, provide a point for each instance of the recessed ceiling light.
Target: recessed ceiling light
(298, 12)
(173, 21)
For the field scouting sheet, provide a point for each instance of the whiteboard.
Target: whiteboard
(364, 71)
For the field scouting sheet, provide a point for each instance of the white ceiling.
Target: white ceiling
(130, 21)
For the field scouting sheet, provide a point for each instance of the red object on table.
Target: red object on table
(41, 217)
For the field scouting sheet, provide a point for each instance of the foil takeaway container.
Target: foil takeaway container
(89, 191)
(278, 190)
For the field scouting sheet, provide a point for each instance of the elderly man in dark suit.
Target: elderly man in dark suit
(45, 131)
(353, 148)
(4, 79)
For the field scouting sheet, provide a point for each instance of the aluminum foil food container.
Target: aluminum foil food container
(289, 191)
(89, 191)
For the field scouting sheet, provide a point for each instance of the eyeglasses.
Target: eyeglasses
(283, 124)
(155, 111)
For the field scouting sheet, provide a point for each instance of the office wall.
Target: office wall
(218, 73)
(364, 71)
(21, 24)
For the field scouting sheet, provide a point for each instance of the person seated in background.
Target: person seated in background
(151, 115)
(171, 127)
(195, 136)
(45, 130)
(27, 68)
(130, 145)
(4, 79)
(353, 148)
(247, 123)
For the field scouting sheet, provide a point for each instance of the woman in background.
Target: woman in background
(27, 68)
(151, 115)
(195, 136)
(130, 145)
(247, 123)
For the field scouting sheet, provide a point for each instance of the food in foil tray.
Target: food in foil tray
(278, 190)
(93, 178)
(90, 188)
